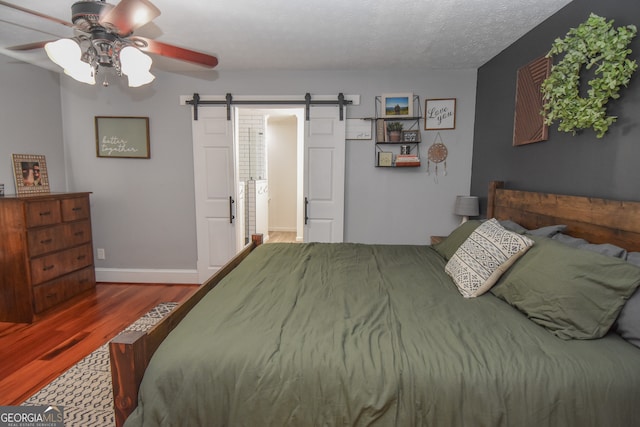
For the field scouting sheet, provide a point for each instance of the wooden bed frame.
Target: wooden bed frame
(596, 220)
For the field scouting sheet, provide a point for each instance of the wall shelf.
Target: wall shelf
(395, 148)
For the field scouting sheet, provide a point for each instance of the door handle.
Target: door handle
(231, 216)
(306, 210)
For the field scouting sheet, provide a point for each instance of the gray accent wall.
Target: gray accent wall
(580, 164)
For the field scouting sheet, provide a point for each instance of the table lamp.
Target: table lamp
(466, 206)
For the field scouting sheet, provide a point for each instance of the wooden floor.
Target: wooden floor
(31, 355)
(282, 237)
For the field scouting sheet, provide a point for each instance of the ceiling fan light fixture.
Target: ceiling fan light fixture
(82, 72)
(102, 30)
(140, 79)
(63, 52)
(135, 65)
(67, 54)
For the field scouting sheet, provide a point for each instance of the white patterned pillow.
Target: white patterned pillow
(487, 253)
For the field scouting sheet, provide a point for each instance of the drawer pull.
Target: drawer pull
(46, 242)
(76, 209)
(45, 213)
(51, 295)
(81, 257)
(78, 233)
(83, 280)
(48, 267)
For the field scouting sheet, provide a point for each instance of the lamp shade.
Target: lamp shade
(136, 65)
(466, 206)
(64, 52)
(67, 53)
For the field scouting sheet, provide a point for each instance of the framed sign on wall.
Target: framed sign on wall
(122, 137)
(440, 114)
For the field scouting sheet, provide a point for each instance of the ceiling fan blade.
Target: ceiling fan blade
(38, 14)
(171, 51)
(128, 15)
(30, 46)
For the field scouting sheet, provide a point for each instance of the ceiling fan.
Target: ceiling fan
(104, 38)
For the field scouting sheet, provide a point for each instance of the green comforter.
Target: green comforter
(375, 335)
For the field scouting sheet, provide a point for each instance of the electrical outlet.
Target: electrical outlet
(101, 254)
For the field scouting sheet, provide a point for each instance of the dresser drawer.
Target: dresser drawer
(77, 232)
(75, 208)
(59, 290)
(44, 212)
(54, 238)
(51, 266)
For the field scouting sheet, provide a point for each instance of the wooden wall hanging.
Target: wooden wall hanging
(528, 121)
(437, 153)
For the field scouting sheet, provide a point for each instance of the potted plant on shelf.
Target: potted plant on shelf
(395, 130)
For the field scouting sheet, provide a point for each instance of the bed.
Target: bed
(379, 335)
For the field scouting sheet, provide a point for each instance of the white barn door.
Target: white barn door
(214, 172)
(324, 165)
(219, 203)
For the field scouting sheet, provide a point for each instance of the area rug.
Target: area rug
(85, 389)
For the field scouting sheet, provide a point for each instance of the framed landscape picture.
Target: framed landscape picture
(30, 172)
(123, 137)
(397, 105)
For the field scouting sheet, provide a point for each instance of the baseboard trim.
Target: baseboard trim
(138, 275)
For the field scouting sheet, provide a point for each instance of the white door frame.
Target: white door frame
(186, 99)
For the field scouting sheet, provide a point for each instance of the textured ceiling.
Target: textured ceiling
(311, 34)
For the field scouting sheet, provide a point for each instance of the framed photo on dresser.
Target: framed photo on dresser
(30, 171)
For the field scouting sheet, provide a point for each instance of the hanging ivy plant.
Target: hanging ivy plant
(595, 43)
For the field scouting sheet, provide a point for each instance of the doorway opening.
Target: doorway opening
(270, 164)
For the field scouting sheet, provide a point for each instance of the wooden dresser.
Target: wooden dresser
(46, 253)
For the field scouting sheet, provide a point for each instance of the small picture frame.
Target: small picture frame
(30, 171)
(410, 136)
(397, 105)
(358, 129)
(122, 137)
(440, 114)
(385, 158)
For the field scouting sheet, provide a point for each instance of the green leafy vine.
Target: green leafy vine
(594, 43)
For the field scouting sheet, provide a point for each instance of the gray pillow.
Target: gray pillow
(512, 226)
(605, 249)
(569, 240)
(548, 231)
(628, 326)
(633, 258)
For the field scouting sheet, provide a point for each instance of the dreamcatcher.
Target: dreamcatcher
(437, 154)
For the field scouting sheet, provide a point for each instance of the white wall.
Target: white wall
(31, 122)
(282, 169)
(143, 213)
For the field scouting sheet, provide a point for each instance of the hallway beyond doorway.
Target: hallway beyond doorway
(282, 237)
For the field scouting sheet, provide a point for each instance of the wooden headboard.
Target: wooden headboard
(596, 220)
